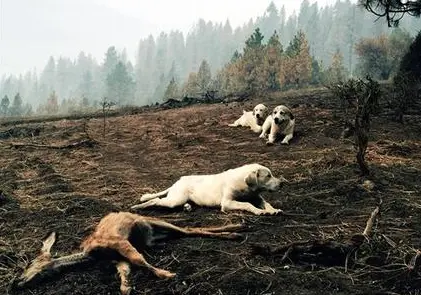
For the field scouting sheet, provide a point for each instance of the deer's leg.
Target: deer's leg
(230, 227)
(123, 269)
(211, 232)
(168, 230)
(130, 252)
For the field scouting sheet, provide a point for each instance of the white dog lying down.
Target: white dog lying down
(280, 122)
(253, 119)
(234, 189)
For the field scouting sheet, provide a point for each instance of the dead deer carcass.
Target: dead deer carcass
(125, 234)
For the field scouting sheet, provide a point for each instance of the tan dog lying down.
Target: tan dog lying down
(253, 119)
(234, 189)
(280, 122)
(119, 237)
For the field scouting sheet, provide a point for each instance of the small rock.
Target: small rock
(368, 185)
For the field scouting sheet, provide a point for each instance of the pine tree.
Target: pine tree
(304, 15)
(304, 60)
(16, 109)
(87, 85)
(48, 77)
(297, 64)
(408, 79)
(294, 46)
(399, 42)
(161, 58)
(190, 88)
(159, 89)
(317, 75)
(63, 76)
(236, 56)
(251, 66)
(110, 61)
(204, 77)
(172, 90)
(120, 85)
(254, 41)
(336, 73)
(272, 62)
(173, 72)
(270, 20)
(52, 104)
(108, 66)
(4, 105)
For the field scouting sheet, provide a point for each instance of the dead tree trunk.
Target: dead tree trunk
(362, 128)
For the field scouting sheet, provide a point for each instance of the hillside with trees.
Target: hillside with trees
(311, 45)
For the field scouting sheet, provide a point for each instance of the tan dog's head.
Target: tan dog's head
(281, 114)
(260, 112)
(261, 178)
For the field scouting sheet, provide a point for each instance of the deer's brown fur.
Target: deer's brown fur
(126, 234)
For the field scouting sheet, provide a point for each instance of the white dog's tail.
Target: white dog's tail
(147, 197)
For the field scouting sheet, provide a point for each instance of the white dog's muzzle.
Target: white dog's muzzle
(281, 120)
(275, 184)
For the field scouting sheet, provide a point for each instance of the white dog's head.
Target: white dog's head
(260, 112)
(281, 114)
(261, 178)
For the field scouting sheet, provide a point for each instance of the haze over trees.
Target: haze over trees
(272, 52)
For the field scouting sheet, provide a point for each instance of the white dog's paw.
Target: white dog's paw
(285, 142)
(145, 197)
(277, 211)
(263, 212)
(269, 142)
(270, 212)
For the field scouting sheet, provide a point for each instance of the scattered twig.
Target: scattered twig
(415, 263)
(370, 221)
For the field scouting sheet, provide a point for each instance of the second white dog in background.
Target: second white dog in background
(253, 119)
(280, 122)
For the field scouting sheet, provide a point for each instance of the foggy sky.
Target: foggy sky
(33, 30)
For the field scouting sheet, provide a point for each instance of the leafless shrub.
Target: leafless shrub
(359, 99)
(106, 106)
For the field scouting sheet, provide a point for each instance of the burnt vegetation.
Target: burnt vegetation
(341, 232)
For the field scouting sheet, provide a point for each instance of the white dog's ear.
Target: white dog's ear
(253, 112)
(252, 179)
(266, 111)
(244, 111)
(289, 113)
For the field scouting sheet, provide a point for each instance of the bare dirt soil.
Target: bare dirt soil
(64, 175)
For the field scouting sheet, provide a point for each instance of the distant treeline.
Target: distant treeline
(271, 52)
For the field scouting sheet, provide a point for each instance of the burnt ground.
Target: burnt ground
(64, 175)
